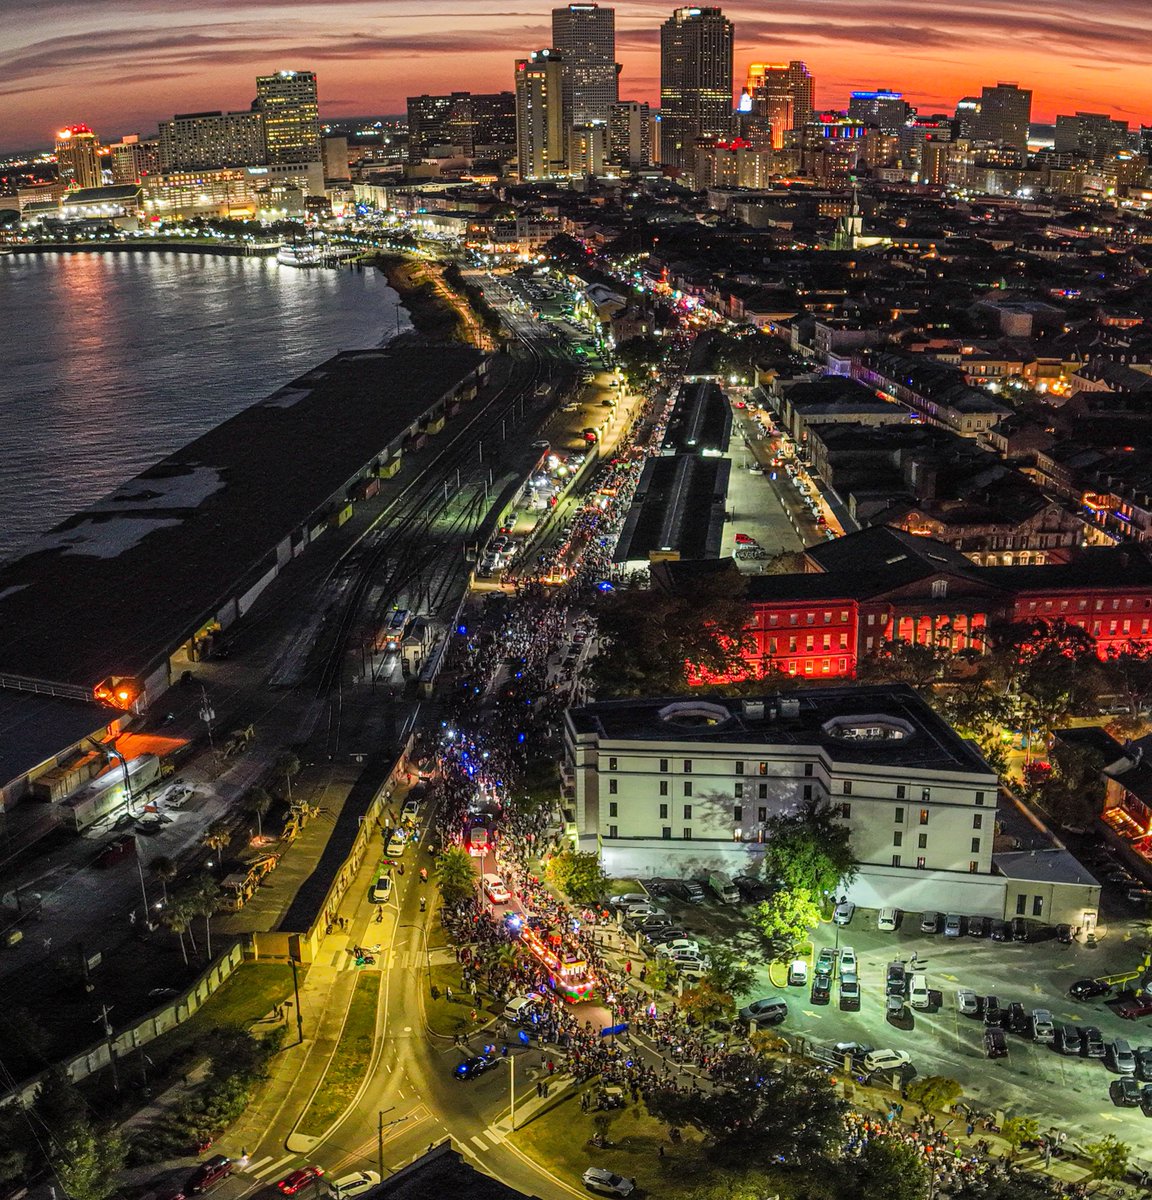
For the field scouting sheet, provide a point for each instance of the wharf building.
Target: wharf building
(105, 611)
(685, 787)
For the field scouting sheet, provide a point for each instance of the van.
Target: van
(918, 992)
(724, 888)
(1119, 1058)
(887, 919)
(523, 1010)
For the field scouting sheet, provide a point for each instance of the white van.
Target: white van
(724, 888)
(918, 992)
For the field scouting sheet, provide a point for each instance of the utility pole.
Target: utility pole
(103, 1021)
(512, 1088)
(380, 1143)
(296, 989)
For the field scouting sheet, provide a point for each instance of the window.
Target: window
(666, 833)
(898, 838)
(899, 815)
(921, 863)
(925, 795)
(761, 814)
(847, 787)
(1037, 906)
(663, 764)
(687, 812)
(688, 788)
(687, 766)
(807, 791)
(687, 833)
(739, 768)
(613, 786)
(738, 791)
(738, 812)
(923, 816)
(895, 860)
(762, 791)
(922, 842)
(762, 768)
(612, 831)
(663, 812)
(808, 767)
(611, 764)
(975, 845)
(613, 809)
(901, 793)
(846, 811)
(979, 800)
(663, 787)
(1021, 904)
(973, 867)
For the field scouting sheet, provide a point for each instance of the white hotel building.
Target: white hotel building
(683, 786)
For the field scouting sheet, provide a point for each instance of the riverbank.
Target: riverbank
(439, 310)
(183, 245)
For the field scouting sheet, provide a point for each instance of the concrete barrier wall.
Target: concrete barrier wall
(174, 1012)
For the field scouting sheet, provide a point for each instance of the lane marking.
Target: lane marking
(253, 1167)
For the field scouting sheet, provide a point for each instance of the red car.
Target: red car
(301, 1177)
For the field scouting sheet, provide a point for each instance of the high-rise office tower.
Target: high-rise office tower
(470, 123)
(291, 110)
(78, 157)
(493, 121)
(1005, 113)
(585, 35)
(883, 110)
(630, 134)
(1094, 134)
(133, 159)
(541, 127)
(695, 82)
(770, 84)
(209, 140)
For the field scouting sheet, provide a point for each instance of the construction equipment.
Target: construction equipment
(298, 816)
(237, 741)
(239, 887)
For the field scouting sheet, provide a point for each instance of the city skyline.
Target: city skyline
(208, 57)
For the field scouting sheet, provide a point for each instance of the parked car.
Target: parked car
(769, 1011)
(1016, 1020)
(751, 888)
(992, 1010)
(844, 912)
(918, 994)
(208, 1174)
(930, 922)
(821, 987)
(967, 1002)
(381, 891)
(826, 961)
(995, 1043)
(978, 926)
(887, 920)
(1019, 929)
(1043, 1027)
(1144, 1063)
(847, 960)
(1088, 989)
(849, 993)
(295, 1180)
(674, 945)
(1118, 1057)
(623, 899)
(494, 889)
(693, 892)
(797, 972)
(1000, 932)
(397, 844)
(1069, 1040)
(607, 1183)
(953, 925)
(1064, 934)
(1125, 1093)
(1093, 1042)
(896, 979)
(886, 1060)
(349, 1186)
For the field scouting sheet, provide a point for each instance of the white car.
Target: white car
(624, 899)
(847, 960)
(381, 891)
(886, 1060)
(886, 919)
(410, 811)
(967, 1002)
(494, 889)
(677, 944)
(355, 1184)
(844, 912)
(600, 1179)
(797, 973)
(397, 844)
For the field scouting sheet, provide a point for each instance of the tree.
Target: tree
(889, 1169)
(897, 661)
(934, 1092)
(201, 900)
(1108, 1157)
(177, 917)
(786, 919)
(809, 851)
(729, 972)
(87, 1161)
(1018, 1130)
(578, 874)
(257, 802)
(165, 870)
(217, 836)
(1012, 1184)
(637, 356)
(707, 1003)
(454, 875)
(1128, 671)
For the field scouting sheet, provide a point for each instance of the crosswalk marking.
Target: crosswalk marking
(264, 1172)
(494, 1134)
(255, 1166)
(480, 1142)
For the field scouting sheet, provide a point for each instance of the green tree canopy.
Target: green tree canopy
(786, 919)
(708, 1003)
(1018, 1130)
(934, 1092)
(578, 874)
(730, 972)
(1108, 1157)
(809, 851)
(454, 874)
(889, 1169)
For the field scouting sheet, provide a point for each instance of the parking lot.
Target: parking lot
(1068, 1093)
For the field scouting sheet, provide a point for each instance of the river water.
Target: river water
(109, 362)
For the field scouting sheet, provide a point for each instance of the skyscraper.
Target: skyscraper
(1005, 112)
(78, 157)
(541, 128)
(882, 110)
(1094, 134)
(585, 35)
(695, 82)
(474, 124)
(291, 111)
(771, 83)
(207, 140)
(630, 134)
(133, 159)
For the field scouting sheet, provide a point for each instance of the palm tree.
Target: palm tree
(257, 802)
(454, 874)
(164, 868)
(217, 836)
(177, 917)
(201, 902)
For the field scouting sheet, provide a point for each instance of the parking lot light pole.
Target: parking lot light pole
(512, 1088)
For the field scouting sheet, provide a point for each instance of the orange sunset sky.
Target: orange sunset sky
(120, 65)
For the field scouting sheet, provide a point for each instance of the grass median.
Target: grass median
(350, 1062)
(560, 1139)
(447, 1018)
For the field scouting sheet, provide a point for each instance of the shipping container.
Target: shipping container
(107, 794)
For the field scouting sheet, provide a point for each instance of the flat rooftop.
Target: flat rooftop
(1043, 866)
(114, 589)
(678, 508)
(35, 728)
(916, 738)
(700, 423)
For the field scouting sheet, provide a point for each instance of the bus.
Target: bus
(477, 840)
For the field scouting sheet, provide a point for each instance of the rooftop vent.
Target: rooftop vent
(694, 714)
